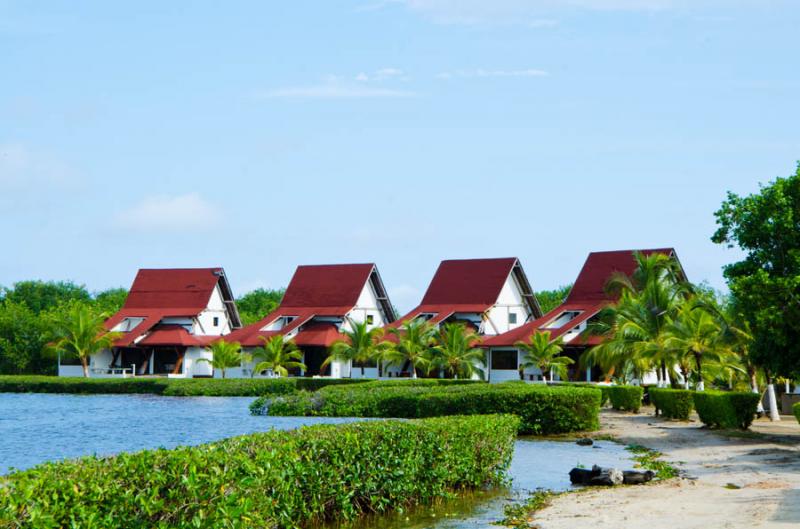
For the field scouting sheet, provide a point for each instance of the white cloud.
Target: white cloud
(480, 73)
(360, 86)
(22, 168)
(169, 214)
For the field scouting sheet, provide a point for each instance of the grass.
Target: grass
(649, 459)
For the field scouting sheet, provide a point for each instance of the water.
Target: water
(38, 427)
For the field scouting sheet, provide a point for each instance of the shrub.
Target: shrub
(542, 409)
(672, 403)
(726, 409)
(628, 398)
(176, 387)
(272, 479)
(796, 409)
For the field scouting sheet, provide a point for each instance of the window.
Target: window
(216, 321)
(370, 319)
(504, 360)
(512, 318)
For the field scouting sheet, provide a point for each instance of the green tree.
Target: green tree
(543, 353)
(278, 356)
(24, 336)
(766, 282)
(550, 299)
(111, 300)
(256, 304)
(40, 296)
(224, 355)
(360, 346)
(456, 352)
(414, 341)
(80, 334)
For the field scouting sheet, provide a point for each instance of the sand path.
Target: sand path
(766, 467)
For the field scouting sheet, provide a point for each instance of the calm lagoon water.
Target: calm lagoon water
(35, 428)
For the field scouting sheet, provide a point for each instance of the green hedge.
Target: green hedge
(627, 398)
(796, 409)
(726, 409)
(672, 403)
(543, 410)
(272, 479)
(176, 387)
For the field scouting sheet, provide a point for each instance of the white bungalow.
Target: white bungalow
(493, 296)
(568, 321)
(169, 317)
(320, 302)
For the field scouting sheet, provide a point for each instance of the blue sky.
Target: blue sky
(262, 135)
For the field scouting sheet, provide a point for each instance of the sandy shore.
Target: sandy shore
(766, 468)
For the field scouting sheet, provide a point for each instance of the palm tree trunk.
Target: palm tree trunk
(699, 362)
(413, 371)
(772, 401)
(664, 375)
(223, 373)
(85, 366)
(754, 388)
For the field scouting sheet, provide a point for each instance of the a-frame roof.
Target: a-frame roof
(587, 297)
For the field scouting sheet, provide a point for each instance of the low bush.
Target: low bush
(627, 398)
(177, 387)
(726, 409)
(672, 403)
(542, 409)
(796, 409)
(272, 479)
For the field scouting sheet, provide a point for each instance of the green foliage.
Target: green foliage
(256, 304)
(456, 352)
(627, 398)
(518, 515)
(726, 409)
(360, 346)
(80, 334)
(765, 283)
(796, 410)
(542, 353)
(414, 340)
(543, 409)
(278, 356)
(111, 300)
(672, 403)
(649, 459)
(272, 479)
(40, 296)
(224, 355)
(236, 387)
(550, 299)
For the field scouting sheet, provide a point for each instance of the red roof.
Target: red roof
(598, 269)
(184, 288)
(327, 285)
(468, 281)
(175, 335)
(320, 334)
(524, 332)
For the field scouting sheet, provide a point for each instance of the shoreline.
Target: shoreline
(728, 479)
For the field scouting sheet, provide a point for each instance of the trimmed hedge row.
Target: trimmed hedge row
(672, 403)
(726, 409)
(627, 398)
(543, 410)
(272, 479)
(175, 387)
(796, 409)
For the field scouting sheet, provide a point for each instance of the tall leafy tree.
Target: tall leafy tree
(457, 353)
(414, 341)
(258, 303)
(224, 355)
(40, 296)
(544, 354)
(766, 282)
(80, 334)
(360, 346)
(24, 336)
(278, 356)
(550, 299)
(111, 300)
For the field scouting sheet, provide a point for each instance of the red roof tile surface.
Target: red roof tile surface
(175, 335)
(468, 281)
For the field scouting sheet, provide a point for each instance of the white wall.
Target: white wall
(191, 366)
(367, 304)
(70, 371)
(510, 300)
(204, 326)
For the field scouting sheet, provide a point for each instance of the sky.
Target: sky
(258, 136)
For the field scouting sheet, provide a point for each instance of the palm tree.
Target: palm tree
(81, 334)
(278, 356)
(633, 327)
(456, 352)
(414, 340)
(359, 346)
(696, 333)
(224, 355)
(542, 353)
